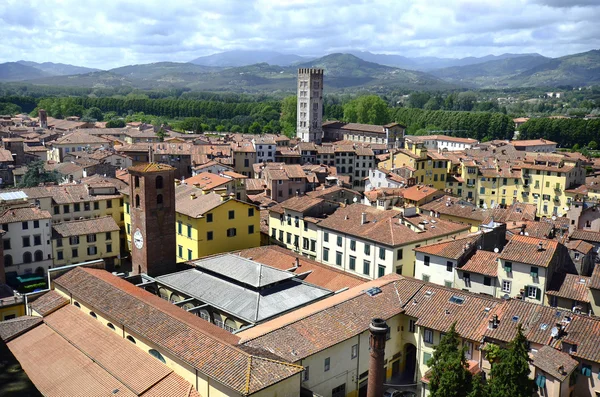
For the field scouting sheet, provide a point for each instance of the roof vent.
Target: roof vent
(428, 293)
(373, 291)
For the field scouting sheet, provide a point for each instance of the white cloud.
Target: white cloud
(111, 33)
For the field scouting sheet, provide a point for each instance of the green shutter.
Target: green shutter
(538, 294)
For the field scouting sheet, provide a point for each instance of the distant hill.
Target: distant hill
(58, 69)
(239, 58)
(163, 72)
(575, 70)
(491, 73)
(99, 79)
(14, 71)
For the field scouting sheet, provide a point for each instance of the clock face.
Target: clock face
(138, 239)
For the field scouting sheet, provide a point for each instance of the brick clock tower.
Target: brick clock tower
(152, 209)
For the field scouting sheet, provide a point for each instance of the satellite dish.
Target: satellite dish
(527, 234)
(554, 332)
(355, 199)
(506, 297)
(496, 250)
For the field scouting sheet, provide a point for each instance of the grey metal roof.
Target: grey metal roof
(248, 304)
(13, 195)
(243, 270)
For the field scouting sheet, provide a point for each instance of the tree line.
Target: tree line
(566, 132)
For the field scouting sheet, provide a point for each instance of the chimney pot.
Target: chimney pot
(363, 218)
(378, 329)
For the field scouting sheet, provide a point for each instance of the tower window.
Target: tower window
(136, 181)
(137, 201)
(159, 182)
(159, 199)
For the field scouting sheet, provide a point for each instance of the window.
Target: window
(137, 201)
(179, 227)
(189, 255)
(38, 256)
(367, 249)
(26, 241)
(534, 272)
(92, 250)
(467, 279)
(313, 245)
(25, 225)
(586, 370)
(91, 238)
(108, 247)
(399, 254)
(380, 271)
(66, 208)
(426, 260)
(180, 251)
(506, 286)
(56, 210)
(136, 181)
(288, 238)
(426, 278)
(326, 237)
(250, 211)
(93, 314)
(189, 231)
(412, 326)
(127, 208)
(27, 257)
(532, 292)
(231, 232)
(326, 254)
(306, 374)
(428, 336)
(354, 352)
(159, 182)
(209, 217)
(487, 281)
(366, 267)
(96, 205)
(381, 253)
(339, 241)
(326, 364)
(352, 263)
(231, 214)
(6, 244)
(108, 203)
(155, 353)
(281, 235)
(449, 266)
(159, 199)
(109, 325)
(36, 224)
(128, 228)
(251, 229)
(426, 358)
(74, 252)
(353, 245)
(508, 267)
(338, 258)
(305, 226)
(209, 235)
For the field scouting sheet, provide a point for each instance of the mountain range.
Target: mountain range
(260, 71)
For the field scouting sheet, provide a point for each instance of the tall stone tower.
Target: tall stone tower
(152, 209)
(310, 105)
(43, 118)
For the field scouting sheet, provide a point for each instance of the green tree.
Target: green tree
(10, 108)
(449, 373)
(369, 109)
(36, 174)
(254, 128)
(418, 99)
(478, 387)
(94, 113)
(115, 123)
(161, 134)
(510, 373)
(289, 115)
(593, 145)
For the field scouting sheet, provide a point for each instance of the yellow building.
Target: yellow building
(86, 240)
(430, 168)
(208, 224)
(11, 307)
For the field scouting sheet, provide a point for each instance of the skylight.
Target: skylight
(457, 299)
(373, 291)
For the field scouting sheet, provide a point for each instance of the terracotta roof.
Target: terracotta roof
(454, 206)
(85, 226)
(354, 127)
(318, 274)
(595, 278)
(79, 138)
(48, 303)
(150, 167)
(420, 192)
(451, 249)
(5, 156)
(301, 203)
(579, 245)
(569, 286)
(10, 329)
(438, 308)
(554, 362)
(445, 138)
(532, 142)
(207, 180)
(524, 249)
(586, 235)
(483, 262)
(532, 228)
(198, 205)
(200, 344)
(316, 327)
(386, 226)
(583, 331)
(24, 214)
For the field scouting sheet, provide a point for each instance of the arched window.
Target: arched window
(39, 256)
(130, 339)
(230, 325)
(8, 260)
(159, 199)
(159, 182)
(137, 201)
(204, 314)
(109, 325)
(157, 355)
(93, 314)
(136, 181)
(76, 304)
(27, 257)
(39, 270)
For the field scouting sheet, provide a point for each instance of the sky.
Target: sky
(107, 34)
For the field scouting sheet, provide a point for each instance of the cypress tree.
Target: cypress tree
(449, 375)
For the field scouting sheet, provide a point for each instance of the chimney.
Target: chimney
(297, 262)
(540, 246)
(495, 320)
(363, 218)
(378, 329)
